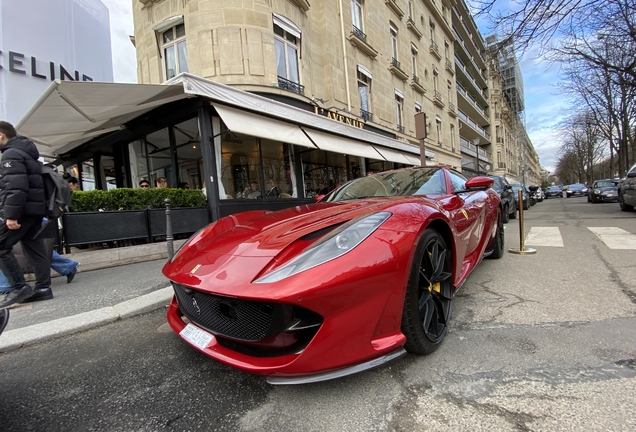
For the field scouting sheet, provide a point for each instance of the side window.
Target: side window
(287, 47)
(459, 182)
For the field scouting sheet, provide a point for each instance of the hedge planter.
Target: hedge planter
(99, 227)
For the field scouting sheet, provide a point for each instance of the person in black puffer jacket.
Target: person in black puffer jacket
(22, 207)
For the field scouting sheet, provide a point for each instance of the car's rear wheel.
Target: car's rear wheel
(623, 206)
(498, 245)
(427, 304)
(506, 216)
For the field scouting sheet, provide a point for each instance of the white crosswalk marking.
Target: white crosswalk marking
(544, 236)
(615, 238)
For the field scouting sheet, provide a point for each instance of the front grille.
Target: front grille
(234, 318)
(244, 320)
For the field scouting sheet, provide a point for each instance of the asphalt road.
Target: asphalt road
(537, 342)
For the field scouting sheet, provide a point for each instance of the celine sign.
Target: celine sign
(21, 64)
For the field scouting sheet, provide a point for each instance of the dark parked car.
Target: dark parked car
(577, 189)
(525, 196)
(627, 190)
(603, 191)
(507, 197)
(554, 191)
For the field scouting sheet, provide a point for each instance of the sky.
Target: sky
(544, 107)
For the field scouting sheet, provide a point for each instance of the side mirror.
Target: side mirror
(631, 174)
(479, 182)
(508, 187)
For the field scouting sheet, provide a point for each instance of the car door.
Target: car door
(629, 188)
(469, 218)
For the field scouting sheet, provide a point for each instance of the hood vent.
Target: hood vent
(321, 232)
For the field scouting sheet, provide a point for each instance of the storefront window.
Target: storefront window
(323, 171)
(88, 175)
(188, 145)
(240, 167)
(156, 152)
(278, 167)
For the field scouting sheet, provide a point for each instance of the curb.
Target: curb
(17, 338)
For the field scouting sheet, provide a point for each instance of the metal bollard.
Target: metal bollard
(169, 238)
(522, 249)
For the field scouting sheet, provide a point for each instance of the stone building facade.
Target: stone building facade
(377, 63)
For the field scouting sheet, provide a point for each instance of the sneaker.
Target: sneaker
(17, 296)
(39, 294)
(71, 275)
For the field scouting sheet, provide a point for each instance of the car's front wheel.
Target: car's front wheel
(498, 245)
(623, 206)
(427, 304)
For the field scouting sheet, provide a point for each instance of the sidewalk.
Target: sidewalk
(105, 296)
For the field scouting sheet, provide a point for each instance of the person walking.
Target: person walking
(22, 207)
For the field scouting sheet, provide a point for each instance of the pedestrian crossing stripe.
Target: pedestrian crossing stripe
(544, 236)
(612, 237)
(615, 238)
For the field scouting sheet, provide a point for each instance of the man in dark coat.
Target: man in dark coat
(22, 207)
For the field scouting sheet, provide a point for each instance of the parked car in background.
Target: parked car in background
(627, 190)
(525, 197)
(603, 191)
(507, 197)
(577, 189)
(554, 191)
(539, 195)
(531, 190)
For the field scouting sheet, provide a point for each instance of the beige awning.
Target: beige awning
(264, 127)
(397, 156)
(337, 144)
(70, 113)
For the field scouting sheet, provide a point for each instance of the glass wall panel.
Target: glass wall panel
(88, 175)
(156, 151)
(240, 167)
(189, 157)
(278, 170)
(323, 171)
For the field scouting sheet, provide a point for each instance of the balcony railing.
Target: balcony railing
(291, 86)
(400, 128)
(359, 34)
(395, 69)
(395, 63)
(435, 50)
(366, 115)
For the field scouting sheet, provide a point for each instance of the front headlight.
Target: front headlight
(333, 245)
(596, 191)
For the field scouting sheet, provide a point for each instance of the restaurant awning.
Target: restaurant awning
(70, 113)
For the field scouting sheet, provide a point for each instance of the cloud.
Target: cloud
(121, 28)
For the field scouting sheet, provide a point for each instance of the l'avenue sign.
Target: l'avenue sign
(339, 117)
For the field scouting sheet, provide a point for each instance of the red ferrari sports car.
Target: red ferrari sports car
(324, 290)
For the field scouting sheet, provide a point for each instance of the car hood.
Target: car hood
(238, 251)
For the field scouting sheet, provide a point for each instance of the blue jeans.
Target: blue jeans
(61, 264)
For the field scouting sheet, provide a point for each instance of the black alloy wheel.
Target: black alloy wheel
(427, 305)
(498, 244)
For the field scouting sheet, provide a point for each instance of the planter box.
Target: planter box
(99, 227)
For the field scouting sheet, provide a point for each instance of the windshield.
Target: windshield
(516, 187)
(417, 181)
(606, 183)
(577, 186)
(554, 189)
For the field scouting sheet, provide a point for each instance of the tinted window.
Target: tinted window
(459, 182)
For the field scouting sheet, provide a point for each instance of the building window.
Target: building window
(356, 14)
(399, 108)
(438, 128)
(411, 10)
(174, 50)
(450, 94)
(414, 59)
(364, 89)
(452, 136)
(435, 73)
(287, 45)
(394, 44)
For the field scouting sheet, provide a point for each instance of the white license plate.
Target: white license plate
(610, 195)
(196, 336)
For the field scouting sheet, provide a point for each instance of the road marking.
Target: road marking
(544, 236)
(615, 238)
